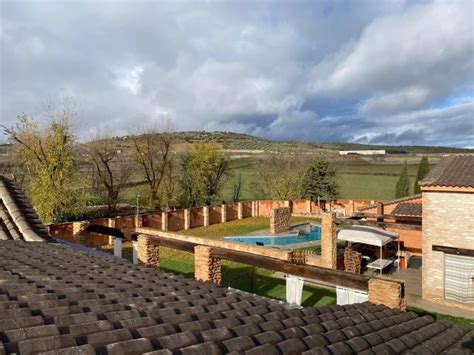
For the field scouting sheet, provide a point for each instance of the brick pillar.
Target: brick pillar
(164, 221)
(111, 225)
(187, 219)
(388, 292)
(223, 213)
(240, 210)
(205, 212)
(379, 211)
(308, 206)
(148, 253)
(328, 241)
(351, 208)
(138, 221)
(79, 235)
(206, 267)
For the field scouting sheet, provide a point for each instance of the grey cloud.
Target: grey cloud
(326, 70)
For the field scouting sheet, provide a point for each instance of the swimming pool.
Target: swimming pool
(304, 233)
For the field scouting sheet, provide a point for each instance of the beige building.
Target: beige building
(448, 232)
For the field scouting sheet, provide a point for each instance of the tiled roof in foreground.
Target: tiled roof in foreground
(57, 300)
(452, 171)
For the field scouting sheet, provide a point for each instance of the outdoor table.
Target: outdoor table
(380, 264)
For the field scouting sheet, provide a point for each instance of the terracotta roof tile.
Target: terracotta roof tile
(408, 209)
(452, 171)
(68, 315)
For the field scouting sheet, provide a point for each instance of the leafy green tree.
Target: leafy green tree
(403, 185)
(280, 176)
(203, 173)
(423, 170)
(320, 180)
(55, 188)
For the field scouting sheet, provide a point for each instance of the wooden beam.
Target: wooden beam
(335, 277)
(455, 251)
(173, 244)
(388, 216)
(359, 222)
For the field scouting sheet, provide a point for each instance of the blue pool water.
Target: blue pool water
(300, 234)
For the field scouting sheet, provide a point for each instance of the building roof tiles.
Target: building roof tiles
(115, 307)
(452, 171)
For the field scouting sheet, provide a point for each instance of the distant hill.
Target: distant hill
(238, 141)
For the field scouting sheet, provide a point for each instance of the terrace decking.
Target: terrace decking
(56, 300)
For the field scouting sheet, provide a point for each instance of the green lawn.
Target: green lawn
(371, 187)
(236, 275)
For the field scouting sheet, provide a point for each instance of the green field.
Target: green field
(357, 181)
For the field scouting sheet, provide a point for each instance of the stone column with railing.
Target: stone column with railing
(389, 292)
(148, 252)
(207, 268)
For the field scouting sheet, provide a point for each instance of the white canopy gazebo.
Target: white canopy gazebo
(371, 236)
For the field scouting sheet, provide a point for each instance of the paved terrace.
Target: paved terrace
(57, 300)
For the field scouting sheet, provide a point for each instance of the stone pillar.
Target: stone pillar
(187, 219)
(257, 209)
(205, 212)
(206, 267)
(240, 210)
(279, 220)
(164, 221)
(328, 241)
(79, 235)
(148, 253)
(111, 225)
(327, 206)
(388, 292)
(286, 203)
(308, 207)
(223, 213)
(351, 208)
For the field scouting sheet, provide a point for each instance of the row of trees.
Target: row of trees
(63, 177)
(402, 189)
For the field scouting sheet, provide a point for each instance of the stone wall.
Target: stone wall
(206, 267)
(447, 221)
(328, 241)
(388, 292)
(280, 220)
(148, 253)
(352, 261)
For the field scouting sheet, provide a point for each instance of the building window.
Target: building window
(459, 278)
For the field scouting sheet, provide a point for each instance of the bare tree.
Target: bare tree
(111, 170)
(152, 151)
(237, 188)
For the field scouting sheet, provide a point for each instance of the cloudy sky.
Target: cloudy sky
(391, 72)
